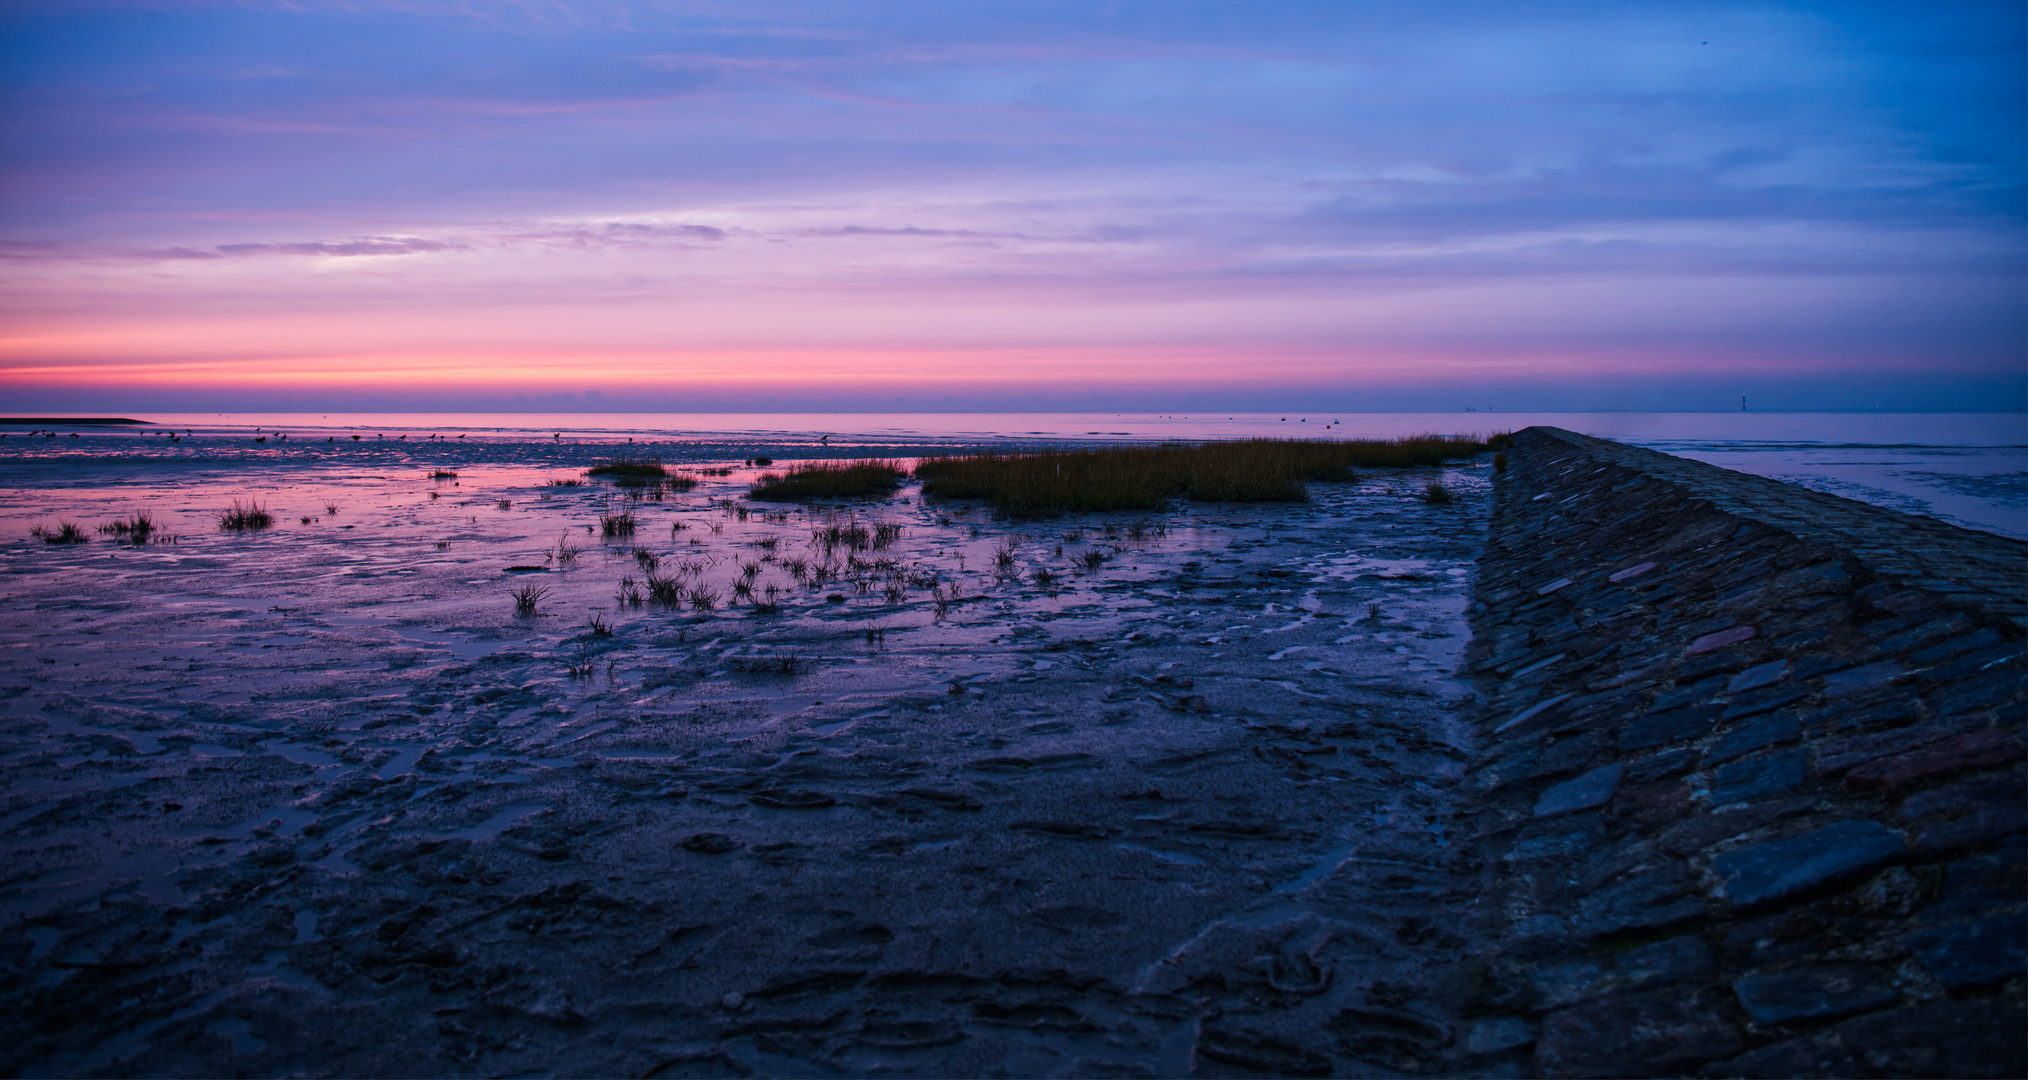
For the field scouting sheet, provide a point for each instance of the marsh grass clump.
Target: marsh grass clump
(620, 524)
(241, 518)
(65, 533)
(583, 663)
(1092, 560)
(599, 627)
(665, 589)
(330, 509)
(442, 474)
(504, 504)
(1435, 494)
(850, 537)
(136, 528)
(1147, 477)
(703, 599)
(885, 534)
(638, 469)
(565, 552)
(527, 597)
(630, 593)
(1500, 461)
(830, 480)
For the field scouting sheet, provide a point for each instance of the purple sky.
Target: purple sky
(931, 205)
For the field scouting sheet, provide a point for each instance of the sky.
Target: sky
(1259, 205)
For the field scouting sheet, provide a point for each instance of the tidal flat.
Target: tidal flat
(884, 787)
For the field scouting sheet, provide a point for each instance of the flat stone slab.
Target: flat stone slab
(1594, 788)
(1822, 992)
(1778, 869)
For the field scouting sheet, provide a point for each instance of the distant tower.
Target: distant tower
(1742, 403)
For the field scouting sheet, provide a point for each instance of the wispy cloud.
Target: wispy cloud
(1301, 179)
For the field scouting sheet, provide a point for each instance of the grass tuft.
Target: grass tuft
(830, 480)
(241, 518)
(782, 663)
(442, 474)
(620, 524)
(1438, 495)
(665, 589)
(136, 529)
(1146, 477)
(64, 533)
(527, 597)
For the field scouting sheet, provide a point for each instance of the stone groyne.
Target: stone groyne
(1749, 797)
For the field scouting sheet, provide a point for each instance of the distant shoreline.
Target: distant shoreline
(73, 421)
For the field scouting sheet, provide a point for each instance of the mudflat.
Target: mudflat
(1134, 795)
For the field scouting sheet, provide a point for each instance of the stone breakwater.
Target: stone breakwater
(1749, 794)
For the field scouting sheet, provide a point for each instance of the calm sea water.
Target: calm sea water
(1967, 468)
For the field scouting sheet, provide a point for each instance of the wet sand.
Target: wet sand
(315, 799)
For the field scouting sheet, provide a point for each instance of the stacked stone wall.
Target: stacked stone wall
(1750, 796)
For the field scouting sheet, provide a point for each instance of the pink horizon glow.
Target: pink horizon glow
(1578, 209)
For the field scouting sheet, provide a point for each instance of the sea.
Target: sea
(1970, 469)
